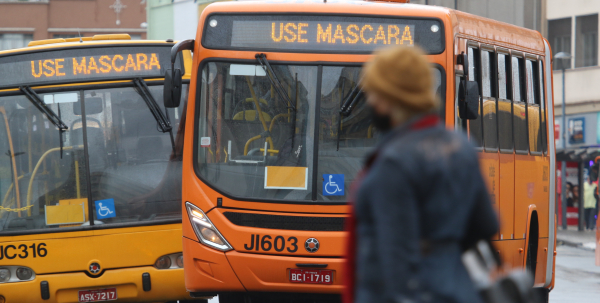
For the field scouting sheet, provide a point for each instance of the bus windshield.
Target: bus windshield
(124, 179)
(252, 144)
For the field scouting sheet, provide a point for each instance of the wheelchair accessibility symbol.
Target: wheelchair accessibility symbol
(105, 209)
(333, 185)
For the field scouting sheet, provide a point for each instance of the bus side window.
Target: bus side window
(488, 84)
(505, 125)
(533, 107)
(542, 94)
(475, 126)
(519, 106)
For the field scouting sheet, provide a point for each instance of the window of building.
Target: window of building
(559, 35)
(586, 41)
(10, 41)
(65, 36)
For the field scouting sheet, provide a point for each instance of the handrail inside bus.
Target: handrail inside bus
(37, 166)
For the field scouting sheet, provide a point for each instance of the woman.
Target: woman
(421, 200)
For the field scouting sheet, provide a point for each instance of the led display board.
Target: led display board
(308, 33)
(84, 64)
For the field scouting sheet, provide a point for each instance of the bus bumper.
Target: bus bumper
(166, 285)
(215, 272)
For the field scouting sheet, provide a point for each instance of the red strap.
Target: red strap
(425, 122)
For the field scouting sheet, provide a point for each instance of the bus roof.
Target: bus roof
(462, 24)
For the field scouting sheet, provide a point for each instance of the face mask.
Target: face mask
(382, 122)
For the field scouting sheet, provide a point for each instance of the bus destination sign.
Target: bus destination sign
(322, 35)
(90, 65)
(84, 64)
(330, 34)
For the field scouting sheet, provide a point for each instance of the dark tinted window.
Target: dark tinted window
(488, 79)
(505, 127)
(542, 94)
(475, 127)
(559, 36)
(519, 108)
(586, 41)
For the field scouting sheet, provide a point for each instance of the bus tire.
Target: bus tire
(232, 298)
(532, 246)
(542, 295)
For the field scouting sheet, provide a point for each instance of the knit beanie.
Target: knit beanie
(403, 75)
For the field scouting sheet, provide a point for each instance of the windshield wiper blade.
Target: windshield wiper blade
(351, 100)
(42, 107)
(35, 99)
(347, 107)
(262, 59)
(161, 118)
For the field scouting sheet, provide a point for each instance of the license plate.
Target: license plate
(98, 295)
(311, 276)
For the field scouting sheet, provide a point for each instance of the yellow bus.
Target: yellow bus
(90, 172)
(280, 130)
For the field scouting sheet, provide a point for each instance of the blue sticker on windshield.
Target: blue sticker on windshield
(333, 185)
(105, 209)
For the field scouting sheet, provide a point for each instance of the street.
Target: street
(577, 277)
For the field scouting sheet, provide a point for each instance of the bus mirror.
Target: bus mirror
(468, 100)
(172, 90)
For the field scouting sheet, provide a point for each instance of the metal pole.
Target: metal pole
(580, 210)
(563, 171)
(455, 4)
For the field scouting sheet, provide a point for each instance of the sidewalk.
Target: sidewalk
(572, 237)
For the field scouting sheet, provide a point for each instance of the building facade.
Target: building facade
(24, 20)
(175, 19)
(573, 29)
(525, 13)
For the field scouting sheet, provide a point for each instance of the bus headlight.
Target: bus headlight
(180, 261)
(4, 275)
(24, 273)
(163, 262)
(206, 232)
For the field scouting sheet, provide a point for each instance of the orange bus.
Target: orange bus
(280, 130)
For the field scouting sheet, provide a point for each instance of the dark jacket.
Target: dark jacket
(422, 201)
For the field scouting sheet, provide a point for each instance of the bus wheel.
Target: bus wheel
(532, 246)
(542, 295)
(233, 298)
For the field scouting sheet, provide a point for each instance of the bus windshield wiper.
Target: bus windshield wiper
(351, 100)
(41, 106)
(161, 118)
(347, 107)
(262, 59)
(35, 99)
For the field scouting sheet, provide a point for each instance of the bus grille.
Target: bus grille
(286, 222)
